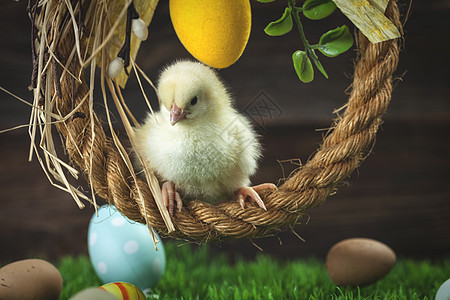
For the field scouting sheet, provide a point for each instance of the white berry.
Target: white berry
(115, 67)
(140, 29)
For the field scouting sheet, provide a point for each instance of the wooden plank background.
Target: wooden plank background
(400, 195)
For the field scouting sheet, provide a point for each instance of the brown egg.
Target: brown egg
(30, 279)
(359, 261)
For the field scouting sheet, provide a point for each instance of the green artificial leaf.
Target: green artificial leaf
(318, 9)
(335, 41)
(303, 66)
(265, 1)
(280, 26)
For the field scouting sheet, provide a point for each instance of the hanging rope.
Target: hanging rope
(342, 150)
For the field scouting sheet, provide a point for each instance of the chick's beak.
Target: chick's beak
(176, 114)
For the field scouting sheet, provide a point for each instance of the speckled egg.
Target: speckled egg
(93, 293)
(33, 279)
(443, 292)
(359, 261)
(123, 291)
(123, 250)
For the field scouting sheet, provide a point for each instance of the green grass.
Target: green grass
(199, 274)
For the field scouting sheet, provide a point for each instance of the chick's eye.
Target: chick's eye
(194, 100)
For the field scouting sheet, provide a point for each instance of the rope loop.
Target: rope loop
(341, 152)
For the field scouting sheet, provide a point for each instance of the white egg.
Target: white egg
(140, 29)
(115, 67)
(444, 291)
(123, 250)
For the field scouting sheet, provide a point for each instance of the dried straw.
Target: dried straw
(105, 162)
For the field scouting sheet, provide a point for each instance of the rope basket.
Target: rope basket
(64, 100)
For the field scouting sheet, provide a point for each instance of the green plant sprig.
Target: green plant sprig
(331, 43)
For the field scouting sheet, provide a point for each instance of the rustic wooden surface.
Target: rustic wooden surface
(400, 195)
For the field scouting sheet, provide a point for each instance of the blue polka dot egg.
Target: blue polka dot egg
(123, 250)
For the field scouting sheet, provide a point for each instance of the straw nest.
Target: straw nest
(73, 40)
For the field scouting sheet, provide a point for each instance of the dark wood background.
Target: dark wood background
(400, 195)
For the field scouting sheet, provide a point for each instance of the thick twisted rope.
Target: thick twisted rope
(342, 151)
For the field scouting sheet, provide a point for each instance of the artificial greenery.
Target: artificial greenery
(331, 43)
(200, 273)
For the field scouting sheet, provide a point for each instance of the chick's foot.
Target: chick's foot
(252, 192)
(170, 196)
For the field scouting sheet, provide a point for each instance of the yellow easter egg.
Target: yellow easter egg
(124, 291)
(214, 31)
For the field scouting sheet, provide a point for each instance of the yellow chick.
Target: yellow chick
(199, 144)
